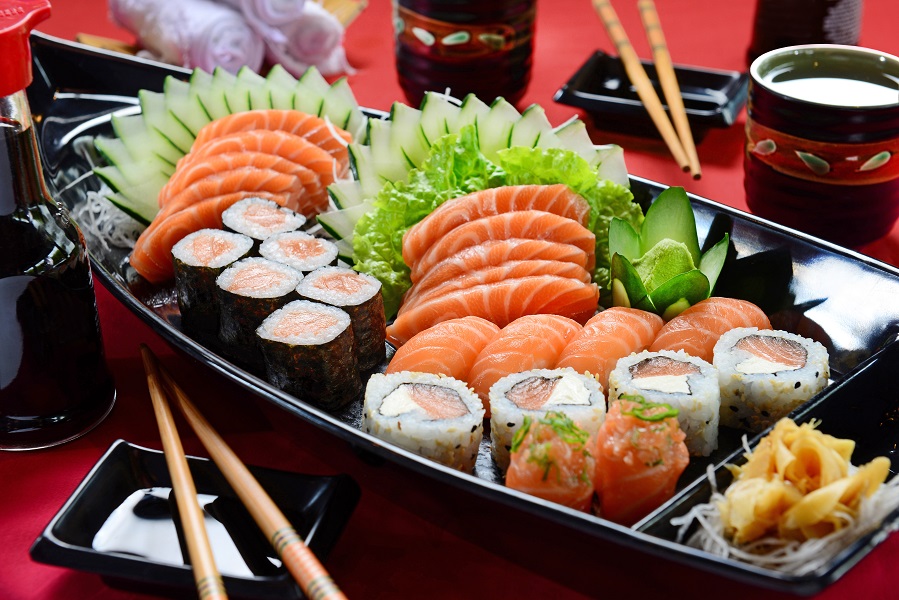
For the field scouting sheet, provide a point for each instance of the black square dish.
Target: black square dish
(712, 98)
(318, 506)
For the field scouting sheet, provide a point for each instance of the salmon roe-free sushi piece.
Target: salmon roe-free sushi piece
(698, 329)
(640, 454)
(448, 348)
(551, 459)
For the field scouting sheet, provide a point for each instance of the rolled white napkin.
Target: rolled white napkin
(315, 39)
(191, 33)
(267, 16)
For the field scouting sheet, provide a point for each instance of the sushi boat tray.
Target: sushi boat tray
(806, 286)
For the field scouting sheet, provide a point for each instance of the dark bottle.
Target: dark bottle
(483, 47)
(54, 381)
(780, 23)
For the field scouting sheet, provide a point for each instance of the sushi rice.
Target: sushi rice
(435, 416)
(532, 393)
(765, 374)
(260, 218)
(684, 382)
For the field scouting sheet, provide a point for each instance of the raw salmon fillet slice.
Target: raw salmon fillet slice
(607, 337)
(557, 199)
(448, 348)
(529, 342)
(533, 224)
(501, 303)
(697, 329)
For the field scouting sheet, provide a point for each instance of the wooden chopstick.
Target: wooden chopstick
(301, 562)
(206, 575)
(665, 70)
(640, 79)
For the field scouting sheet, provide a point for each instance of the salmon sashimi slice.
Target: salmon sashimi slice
(558, 199)
(325, 135)
(607, 337)
(493, 274)
(501, 303)
(227, 161)
(287, 186)
(527, 343)
(498, 252)
(697, 329)
(640, 454)
(533, 224)
(152, 253)
(783, 352)
(447, 348)
(551, 459)
(279, 143)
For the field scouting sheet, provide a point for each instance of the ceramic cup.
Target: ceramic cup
(822, 137)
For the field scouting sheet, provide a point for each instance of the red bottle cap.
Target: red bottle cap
(17, 19)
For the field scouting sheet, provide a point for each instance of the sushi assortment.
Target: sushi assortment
(492, 287)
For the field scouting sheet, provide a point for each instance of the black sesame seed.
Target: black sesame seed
(797, 385)
(474, 428)
(733, 408)
(510, 424)
(765, 413)
(509, 448)
(817, 374)
(458, 446)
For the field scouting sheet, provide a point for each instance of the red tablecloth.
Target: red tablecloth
(410, 536)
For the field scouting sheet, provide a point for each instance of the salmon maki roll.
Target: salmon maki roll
(316, 130)
(259, 219)
(765, 374)
(640, 454)
(449, 348)
(308, 352)
(527, 343)
(607, 337)
(498, 252)
(533, 224)
(151, 255)
(551, 460)
(300, 250)
(501, 303)
(359, 294)
(697, 329)
(530, 394)
(510, 270)
(558, 199)
(434, 416)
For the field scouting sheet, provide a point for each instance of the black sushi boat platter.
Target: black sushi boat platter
(840, 298)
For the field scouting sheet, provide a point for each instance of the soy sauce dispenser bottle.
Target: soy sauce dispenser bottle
(54, 381)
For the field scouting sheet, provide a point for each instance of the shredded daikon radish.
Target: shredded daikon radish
(103, 221)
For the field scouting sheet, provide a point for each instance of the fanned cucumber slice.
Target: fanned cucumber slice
(388, 161)
(495, 128)
(407, 135)
(140, 200)
(340, 223)
(439, 116)
(362, 163)
(282, 87)
(157, 117)
(140, 140)
(255, 84)
(471, 111)
(528, 129)
(345, 193)
(574, 136)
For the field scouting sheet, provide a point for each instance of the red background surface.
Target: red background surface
(411, 537)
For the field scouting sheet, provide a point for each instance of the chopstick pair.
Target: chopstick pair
(680, 141)
(302, 564)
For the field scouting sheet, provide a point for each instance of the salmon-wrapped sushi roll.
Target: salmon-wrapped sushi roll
(551, 460)
(640, 454)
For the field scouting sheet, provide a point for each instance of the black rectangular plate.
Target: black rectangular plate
(712, 97)
(317, 506)
(840, 298)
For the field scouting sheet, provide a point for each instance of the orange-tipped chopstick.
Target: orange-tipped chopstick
(640, 79)
(302, 564)
(668, 79)
(206, 575)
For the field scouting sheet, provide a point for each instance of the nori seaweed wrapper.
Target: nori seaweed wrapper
(326, 375)
(239, 318)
